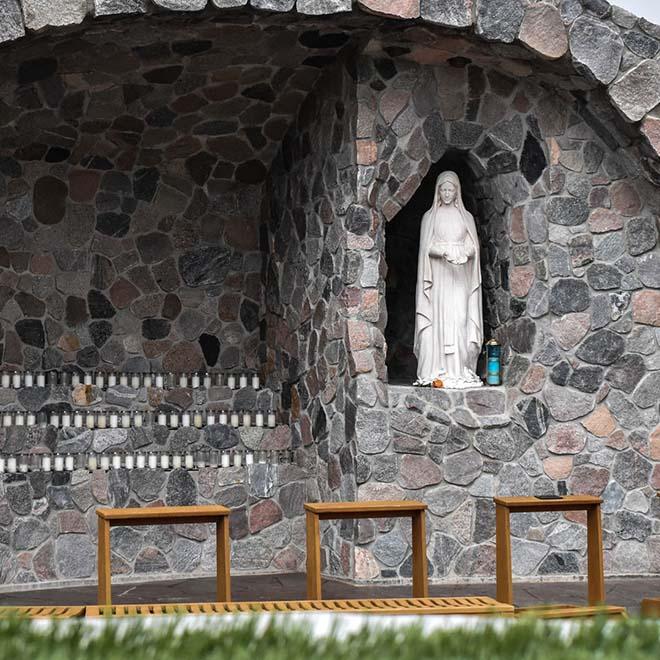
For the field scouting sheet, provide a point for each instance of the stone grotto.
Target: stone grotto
(233, 186)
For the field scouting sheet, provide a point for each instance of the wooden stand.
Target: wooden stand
(316, 512)
(504, 506)
(167, 515)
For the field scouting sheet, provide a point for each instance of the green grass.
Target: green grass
(597, 640)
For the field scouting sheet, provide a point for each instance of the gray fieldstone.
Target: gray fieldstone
(462, 467)
(566, 211)
(30, 533)
(526, 555)
(495, 443)
(105, 439)
(318, 7)
(111, 7)
(647, 393)
(648, 269)
(641, 235)
(559, 563)
(371, 431)
(566, 404)
(390, 549)
(181, 489)
(499, 20)
(533, 415)
(75, 556)
(442, 500)
(637, 91)
(185, 555)
(631, 470)
(41, 13)
(445, 550)
(569, 295)
(450, 13)
(484, 401)
(603, 347)
(596, 49)
(151, 560)
(626, 372)
(11, 21)
(613, 497)
(181, 5)
(512, 480)
(630, 525)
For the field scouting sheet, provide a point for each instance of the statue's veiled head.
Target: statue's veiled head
(447, 189)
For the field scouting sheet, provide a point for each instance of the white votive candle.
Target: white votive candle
(69, 463)
(194, 381)
(59, 463)
(66, 419)
(54, 419)
(234, 419)
(87, 379)
(11, 464)
(29, 379)
(153, 461)
(100, 380)
(89, 420)
(249, 458)
(238, 459)
(6, 379)
(101, 420)
(231, 381)
(6, 419)
(135, 381)
(114, 420)
(162, 419)
(129, 461)
(3, 464)
(92, 462)
(148, 380)
(207, 380)
(46, 463)
(222, 417)
(224, 460)
(210, 418)
(159, 380)
(112, 379)
(189, 462)
(19, 419)
(30, 418)
(183, 380)
(125, 420)
(243, 381)
(198, 419)
(41, 379)
(247, 418)
(138, 418)
(77, 419)
(271, 419)
(123, 379)
(23, 465)
(105, 462)
(176, 461)
(16, 380)
(140, 461)
(165, 461)
(185, 418)
(255, 381)
(75, 379)
(116, 461)
(174, 420)
(259, 418)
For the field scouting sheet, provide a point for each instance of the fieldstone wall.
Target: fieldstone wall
(310, 192)
(570, 269)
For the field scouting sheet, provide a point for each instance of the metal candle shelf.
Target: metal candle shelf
(105, 379)
(194, 459)
(94, 419)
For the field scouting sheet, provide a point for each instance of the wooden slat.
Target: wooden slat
(567, 502)
(373, 507)
(651, 607)
(572, 612)
(164, 512)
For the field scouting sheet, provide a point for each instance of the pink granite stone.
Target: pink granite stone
(533, 380)
(565, 439)
(650, 129)
(367, 152)
(602, 220)
(366, 566)
(418, 471)
(518, 233)
(394, 8)
(521, 280)
(646, 307)
(601, 422)
(264, 514)
(625, 198)
(542, 31)
(358, 335)
(558, 467)
(570, 329)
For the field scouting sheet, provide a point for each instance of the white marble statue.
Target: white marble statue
(448, 316)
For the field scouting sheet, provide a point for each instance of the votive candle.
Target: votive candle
(69, 463)
(59, 463)
(105, 462)
(46, 463)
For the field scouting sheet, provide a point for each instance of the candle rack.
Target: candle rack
(106, 379)
(94, 419)
(192, 460)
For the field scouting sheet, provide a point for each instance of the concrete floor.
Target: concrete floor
(626, 592)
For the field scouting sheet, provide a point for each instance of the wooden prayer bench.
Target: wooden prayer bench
(166, 515)
(651, 607)
(317, 511)
(504, 506)
(43, 612)
(412, 606)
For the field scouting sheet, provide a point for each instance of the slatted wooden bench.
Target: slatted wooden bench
(504, 506)
(415, 606)
(318, 511)
(651, 607)
(166, 515)
(43, 612)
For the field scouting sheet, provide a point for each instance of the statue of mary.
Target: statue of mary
(448, 316)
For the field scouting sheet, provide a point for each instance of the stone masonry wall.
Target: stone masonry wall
(310, 193)
(571, 272)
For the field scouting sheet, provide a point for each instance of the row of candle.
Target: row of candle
(191, 460)
(114, 419)
(103, 379)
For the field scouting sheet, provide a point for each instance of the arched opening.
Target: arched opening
(402, 248)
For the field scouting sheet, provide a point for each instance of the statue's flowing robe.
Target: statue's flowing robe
(426, 340)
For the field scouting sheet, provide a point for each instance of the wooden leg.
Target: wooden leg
(103, 563)
(596, 578)
(503, 555)
(222, 558)
(419, 567)
(313, 535)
